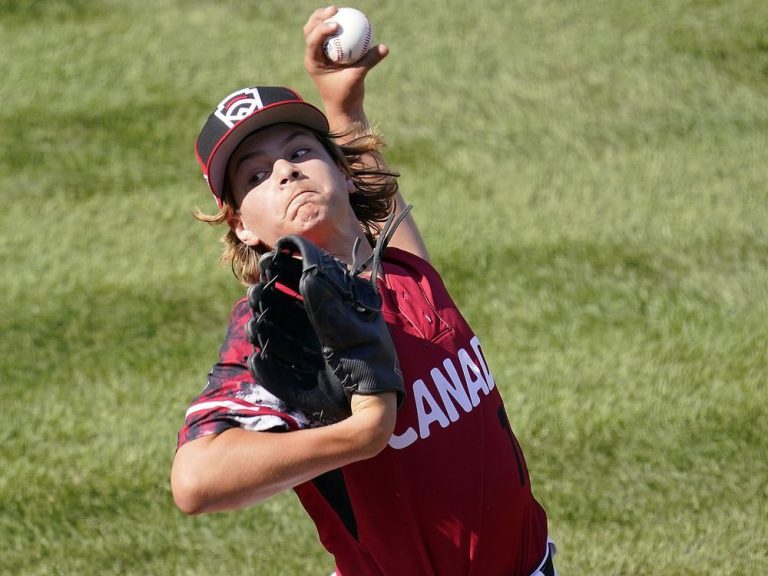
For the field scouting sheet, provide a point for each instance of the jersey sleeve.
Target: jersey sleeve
(231, 398)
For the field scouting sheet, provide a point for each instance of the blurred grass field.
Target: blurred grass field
(591, 178)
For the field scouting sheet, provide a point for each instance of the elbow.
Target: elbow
(188, 485)
(188, 494)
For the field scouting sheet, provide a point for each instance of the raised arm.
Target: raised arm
(342, 90)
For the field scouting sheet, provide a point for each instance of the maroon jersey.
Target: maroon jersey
(450, 494)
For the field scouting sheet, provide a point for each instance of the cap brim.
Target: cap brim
(290, 112)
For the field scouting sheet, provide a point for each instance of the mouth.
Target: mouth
(297, 199)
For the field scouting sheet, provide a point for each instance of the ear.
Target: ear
(351, 185)
(245, 235)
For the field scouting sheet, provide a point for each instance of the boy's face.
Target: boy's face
(285, 182)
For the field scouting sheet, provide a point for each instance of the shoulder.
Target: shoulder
(415, 298)
(403, 268)
(397, 258)
(236, 348)
(238, 318)
(241, 311)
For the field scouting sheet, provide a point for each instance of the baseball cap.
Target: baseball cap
(241, 113)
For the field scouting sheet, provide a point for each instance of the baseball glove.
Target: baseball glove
(317, 328)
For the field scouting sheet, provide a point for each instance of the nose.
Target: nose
(286, 172)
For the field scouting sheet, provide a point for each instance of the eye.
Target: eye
(257, 177)
(299, 153)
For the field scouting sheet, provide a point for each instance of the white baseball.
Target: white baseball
(352, 39)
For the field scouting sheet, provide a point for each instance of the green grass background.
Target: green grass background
(591, 177)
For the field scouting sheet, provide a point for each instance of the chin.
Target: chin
(312, 222)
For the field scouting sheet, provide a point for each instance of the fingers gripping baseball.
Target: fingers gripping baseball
(316, 30)
(340, 38)
(352, 38)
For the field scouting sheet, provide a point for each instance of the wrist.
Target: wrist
(341, 117)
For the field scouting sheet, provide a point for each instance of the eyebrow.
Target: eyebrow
(258, 152)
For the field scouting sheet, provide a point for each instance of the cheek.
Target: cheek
(340, 181)
(251, 211)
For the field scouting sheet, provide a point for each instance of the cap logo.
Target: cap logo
(238, 105)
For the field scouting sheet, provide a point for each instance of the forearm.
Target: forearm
(351, 122)
(407, 236)
(348, 120)
(239, 468)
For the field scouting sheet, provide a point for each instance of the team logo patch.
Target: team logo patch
(238, 105)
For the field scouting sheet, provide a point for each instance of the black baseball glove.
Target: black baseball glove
(317, 329)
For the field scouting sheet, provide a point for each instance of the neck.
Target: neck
(343, 249)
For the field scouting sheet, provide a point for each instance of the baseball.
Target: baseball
(352, 39)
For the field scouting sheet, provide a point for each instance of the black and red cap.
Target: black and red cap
(240, 114)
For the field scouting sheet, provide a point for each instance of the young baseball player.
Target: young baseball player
(422, 477)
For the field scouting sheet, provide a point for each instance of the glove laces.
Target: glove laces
(387, 231)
